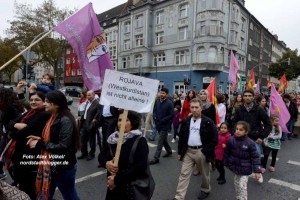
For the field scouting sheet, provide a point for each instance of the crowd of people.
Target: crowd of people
(40, 138)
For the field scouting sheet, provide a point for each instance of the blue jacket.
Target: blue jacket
(163, 114)
(241, 156)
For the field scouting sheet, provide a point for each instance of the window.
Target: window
(203, 4)
(222, 55)
(182, 33)
(126, 44)
(139, 21)
(138, 40)
(250, 41)
(73, 72)
(73, 59)
(202, 28)
(214, 4)
(68, 61)
(181, 57)
(249, 57)
(183, 11)
(251, 26)
(221, 28)
(113, 52)
(78, 72)
(138, 60)
(159, 38)
(242, 43)
(233, 37)
(201, 55)
(160, 17)
(68, 51)
(212, 54)
(159, 59)
(243, 24)
(213, 27)
(125, 62)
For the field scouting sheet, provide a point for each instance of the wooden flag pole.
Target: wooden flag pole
(7, 63)
(121, 135)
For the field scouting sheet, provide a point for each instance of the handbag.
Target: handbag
(8, 192)
(141, 188)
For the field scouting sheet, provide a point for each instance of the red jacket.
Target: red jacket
(222, 139)
(185, 110)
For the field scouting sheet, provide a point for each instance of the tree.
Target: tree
(291, 71)
(9, 49)
(29, 22)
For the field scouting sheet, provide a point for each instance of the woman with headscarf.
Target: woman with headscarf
(208, 109)
(119, 177)
(58, 145)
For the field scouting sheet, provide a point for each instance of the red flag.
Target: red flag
(251, 81)
(283, 84)
(212, 91)
(269, 84)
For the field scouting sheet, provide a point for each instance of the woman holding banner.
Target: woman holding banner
(119, 177)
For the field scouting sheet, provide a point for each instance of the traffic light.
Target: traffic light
(185, 82)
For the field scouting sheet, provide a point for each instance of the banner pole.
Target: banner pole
(7, 63)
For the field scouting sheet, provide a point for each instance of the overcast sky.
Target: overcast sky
(279, 17)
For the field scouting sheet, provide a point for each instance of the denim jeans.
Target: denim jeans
(153, 133)
(65, 181)
(258, 149)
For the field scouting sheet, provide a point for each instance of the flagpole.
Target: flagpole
(7, 63)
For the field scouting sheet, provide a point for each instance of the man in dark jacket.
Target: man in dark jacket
(293, 110)
(198, 138)
(260, 124)
(163, 113)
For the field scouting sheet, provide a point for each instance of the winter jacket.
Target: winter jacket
(176, 119)
(163, 114)
(260, 124)
(185, 110)
(210, 113)
(222, 139)
(208, 134)
(241, 156)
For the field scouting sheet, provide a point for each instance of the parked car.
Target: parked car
(73, 91)
(69, 99)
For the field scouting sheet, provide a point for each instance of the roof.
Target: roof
(112, 13)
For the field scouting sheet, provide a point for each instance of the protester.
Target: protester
(59, 143)
(241, 157)
(186, 105)
(292, 108)
(10, 109)
(297, 123)
(48, 84)
(31, 123)
(197, 140)
(88, 127)
(175, 122)
(208, 109)
(262, 102)
(221, 108)
(163, 114)
(272, 143)
(82, 103)
(223, 137)
(176, 100)
(119, 177)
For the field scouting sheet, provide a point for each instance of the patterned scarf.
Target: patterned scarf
(113, 138)
(42, 182)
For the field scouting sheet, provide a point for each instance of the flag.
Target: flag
(82, 30)
(257, 88)
(233, 70)
(251, 81)
(279, 108)
(212, 91)
(240, 83)
(282, 84)
(269, 84)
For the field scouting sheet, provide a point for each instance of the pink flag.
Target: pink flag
(233, 70)
(257, 88)
(279, 108)
(83, 32)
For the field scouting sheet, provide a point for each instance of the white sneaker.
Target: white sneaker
(261, 179)
(173, 140)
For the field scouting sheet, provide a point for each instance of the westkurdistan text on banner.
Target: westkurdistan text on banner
(128, 91)
(83, 32)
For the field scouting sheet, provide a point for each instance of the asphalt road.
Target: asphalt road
(284, 184)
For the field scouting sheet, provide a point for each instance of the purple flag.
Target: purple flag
(279, 108)
(257, 88)
(233, 70)
(83, 32)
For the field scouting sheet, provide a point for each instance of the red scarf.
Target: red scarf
(83, 99)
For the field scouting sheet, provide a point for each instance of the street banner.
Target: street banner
(279, 108)
(82, 30)
(251, 81)
(128, 91)
(257, 88)
(233, 70)
(282, 84)
(212, 92)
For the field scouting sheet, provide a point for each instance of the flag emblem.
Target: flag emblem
(97, 48)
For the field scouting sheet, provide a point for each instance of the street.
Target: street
(282, 184)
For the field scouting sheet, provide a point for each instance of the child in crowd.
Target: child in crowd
(271, 143)
(47, 84)
(223, 138)
(241, 157)
(176, 122)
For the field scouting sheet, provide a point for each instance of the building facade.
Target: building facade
(72, 76)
